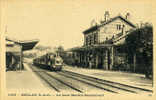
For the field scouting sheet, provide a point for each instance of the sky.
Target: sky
(62, 22)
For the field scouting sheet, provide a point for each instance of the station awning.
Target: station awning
(88, 48)
(26, 45)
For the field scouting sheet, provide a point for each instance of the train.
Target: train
(52, 60)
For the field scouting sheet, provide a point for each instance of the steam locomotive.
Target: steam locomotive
(51, 60)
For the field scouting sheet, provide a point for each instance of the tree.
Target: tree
(140, 41)
(60, 49)
(42, 48)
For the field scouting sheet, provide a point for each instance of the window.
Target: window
(90, 38)
(118, 27)
(87, 40)
(95, 38)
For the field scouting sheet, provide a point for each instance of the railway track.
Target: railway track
(110, 84)
(75, 82)
(54, 82)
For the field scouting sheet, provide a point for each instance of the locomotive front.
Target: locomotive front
(56, 63)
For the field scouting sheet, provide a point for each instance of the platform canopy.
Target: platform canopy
(26, 44)
(92, 47)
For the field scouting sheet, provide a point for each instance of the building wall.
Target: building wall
(13, 48)
(90, 38)
(104, 57)
(13, 55)
(107, 31)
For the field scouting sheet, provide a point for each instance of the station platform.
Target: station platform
(24, 81)
(127, 78)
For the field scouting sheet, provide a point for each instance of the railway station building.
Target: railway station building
(101, 42)
(14, 52)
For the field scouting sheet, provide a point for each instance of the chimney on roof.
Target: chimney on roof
(101, 21)
(127, 16)
(106, 16)
(93, 23)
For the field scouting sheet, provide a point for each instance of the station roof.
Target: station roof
(93, 28)
(26, 44)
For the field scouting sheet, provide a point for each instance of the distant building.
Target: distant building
(14, 52)
(100, 40)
